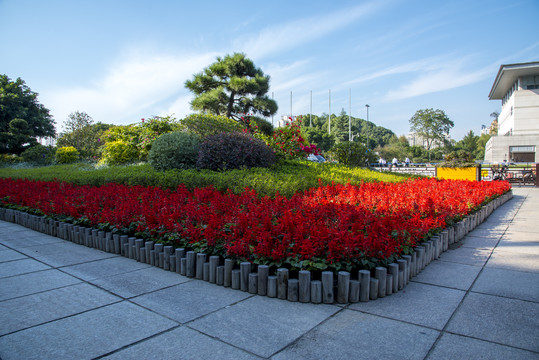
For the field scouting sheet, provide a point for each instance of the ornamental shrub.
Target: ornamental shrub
(227, 151)
(287, 142)
(205, 125)
(351, 154)
(458, 159)
(9, 159)
(39, 155)
(175, 150)
(66, 155)
(119, 152)
(141, 136)
(263, 125)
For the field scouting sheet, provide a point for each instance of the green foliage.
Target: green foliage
(175, 150)
(232, 86)
(83, 135)
(286, 177)
(139, 137)
(205, 125)
(351, 154)
(480, 147)
(227, 151)
(22, 117)
(432, 125)
(458, 159)
(262, 125)
(39, 155)
(9, 159)
(363, 131)
(66, 155)
(288, 142)
(119, 152)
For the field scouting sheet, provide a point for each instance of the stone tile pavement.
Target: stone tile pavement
(480, 300)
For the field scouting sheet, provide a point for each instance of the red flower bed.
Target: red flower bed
(338, 225)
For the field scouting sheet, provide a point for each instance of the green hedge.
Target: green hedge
(287, 178)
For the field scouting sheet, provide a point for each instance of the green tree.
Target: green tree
(469, 142)
(22, 117)
(432, 125)
(481, 143)
(82, 134)
(233, 87)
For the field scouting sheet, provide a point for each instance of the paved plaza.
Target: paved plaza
(479, 300)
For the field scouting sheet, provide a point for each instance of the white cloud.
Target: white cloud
(275, 39)
(129, 88)
(446, 76)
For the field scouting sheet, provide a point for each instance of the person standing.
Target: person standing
(407, 162)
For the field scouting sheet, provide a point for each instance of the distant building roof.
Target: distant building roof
(508, 74)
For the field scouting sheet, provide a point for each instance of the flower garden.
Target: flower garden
(332, 227)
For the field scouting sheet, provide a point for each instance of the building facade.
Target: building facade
(517, 86)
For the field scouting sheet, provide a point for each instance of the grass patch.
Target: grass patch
(286, 178)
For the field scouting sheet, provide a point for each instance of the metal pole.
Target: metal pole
(311, 112)
(349, 114)
(272, 114)
(367, 106)
(291, 106)
(329, 116)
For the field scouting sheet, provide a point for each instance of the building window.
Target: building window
(514, 149)
(532, 87)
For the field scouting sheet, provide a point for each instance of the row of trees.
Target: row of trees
(235, 88)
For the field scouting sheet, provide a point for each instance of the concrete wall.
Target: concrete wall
(497, 148)
(526, 112)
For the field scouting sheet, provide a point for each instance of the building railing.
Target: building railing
(524, 174)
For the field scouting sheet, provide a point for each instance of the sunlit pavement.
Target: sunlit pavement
(59, 300)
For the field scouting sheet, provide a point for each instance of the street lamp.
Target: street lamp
(367, 106)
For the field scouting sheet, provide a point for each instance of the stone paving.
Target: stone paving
(480, 300)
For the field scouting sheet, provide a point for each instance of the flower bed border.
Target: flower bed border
(342, 289)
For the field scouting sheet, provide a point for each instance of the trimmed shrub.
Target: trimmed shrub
(227, 151)
(206, 125)
(175, 150)
(9, 159)
(66, 155)
(39, 155)
(350, 154)
(119, 152)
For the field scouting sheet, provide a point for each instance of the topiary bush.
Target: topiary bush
(39, 155)
(175, 150)
(66, 155)
(227, 151)
(119, 152)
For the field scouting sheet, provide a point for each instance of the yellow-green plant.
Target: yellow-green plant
(66, 155)
(119, 152)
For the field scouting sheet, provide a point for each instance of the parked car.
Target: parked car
(316, 158)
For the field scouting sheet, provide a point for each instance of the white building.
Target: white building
(517, 86)
(285, 120)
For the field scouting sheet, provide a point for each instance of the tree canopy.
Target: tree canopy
(83, 134)
(22, 117)
(361, 131)
(432, 125)
(232, 86)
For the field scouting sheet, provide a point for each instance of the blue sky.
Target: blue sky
(121, 61)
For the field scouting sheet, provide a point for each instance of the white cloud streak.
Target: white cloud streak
(129, 87)
(275, 39)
